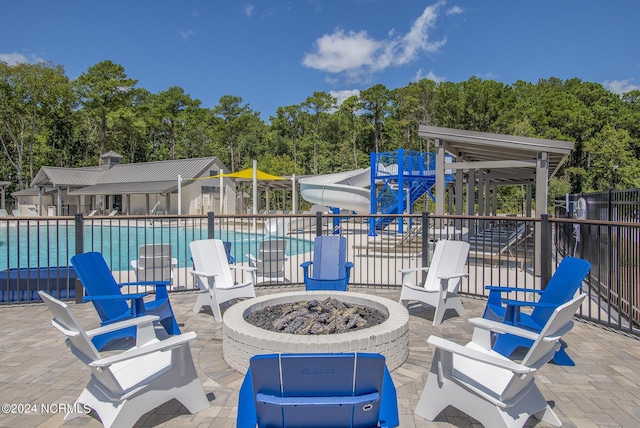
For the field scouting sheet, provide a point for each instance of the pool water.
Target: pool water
(53, 245)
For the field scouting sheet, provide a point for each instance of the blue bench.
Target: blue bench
(23, 284)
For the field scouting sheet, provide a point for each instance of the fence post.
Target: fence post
(210, 225)
(318, 223)
(545, 250)
(79, 223)
(425, 243)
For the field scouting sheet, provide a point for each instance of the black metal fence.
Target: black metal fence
(510, 251)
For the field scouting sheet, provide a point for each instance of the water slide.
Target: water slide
(347, 190)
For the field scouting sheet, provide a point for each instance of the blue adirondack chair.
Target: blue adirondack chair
(561, 288)
(111, 305)
(331, 270)
(318, 390)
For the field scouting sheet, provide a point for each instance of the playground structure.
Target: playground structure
(395, 181)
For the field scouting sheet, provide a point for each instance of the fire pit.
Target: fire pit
(242, 340)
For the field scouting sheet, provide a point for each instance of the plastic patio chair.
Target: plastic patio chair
(331, 270)
(154, 263)
(212, 272)
(317, 390)
(488, 386)
(125, 386)
(111, 305)
(270, 261)
(562, 286)
(440, 288)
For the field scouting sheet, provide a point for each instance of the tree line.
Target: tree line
(47, 119)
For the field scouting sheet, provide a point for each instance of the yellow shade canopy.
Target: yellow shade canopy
(247, 174)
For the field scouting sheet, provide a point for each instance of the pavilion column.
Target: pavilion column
(542, 172)
(481, 195)
(495, 200)
(59, 202)
(471, 192)
(40, 192)
(440, 160)
(528, 200)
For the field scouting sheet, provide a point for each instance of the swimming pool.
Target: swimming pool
(24, 246)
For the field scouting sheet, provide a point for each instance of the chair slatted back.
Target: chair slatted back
(313, 382)
(209, 256)
(562, 286)
(154, 262)
(97, 279)
(329, 257)
(449, 258)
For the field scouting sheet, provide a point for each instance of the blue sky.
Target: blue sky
(278, 52)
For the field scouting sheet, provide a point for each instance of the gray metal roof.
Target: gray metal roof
(156, 171)
(67, 177)
(148, 177)
(131, 188)
(484, 148)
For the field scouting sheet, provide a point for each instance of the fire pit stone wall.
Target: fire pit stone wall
(241, 340)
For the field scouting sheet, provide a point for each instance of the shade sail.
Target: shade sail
(247, 174)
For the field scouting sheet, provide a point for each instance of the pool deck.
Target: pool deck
(602, 390)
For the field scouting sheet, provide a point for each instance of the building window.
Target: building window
(213, 172)
(211, 190)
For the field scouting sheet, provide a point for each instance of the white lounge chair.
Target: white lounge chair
(487, 386)
(154, 263)
(125, 386)
(269, 263)
(212, 272)
(440, 288)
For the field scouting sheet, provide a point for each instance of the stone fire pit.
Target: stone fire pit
(241, 340)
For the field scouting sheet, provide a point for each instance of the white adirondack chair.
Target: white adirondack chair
(270, 261)
(440, 288)
(125, 386)
(212, 272)
(487, 386)
(154, 263)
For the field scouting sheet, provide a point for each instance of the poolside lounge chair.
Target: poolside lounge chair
(17, 213)
(114, 212)
(331, 270)
(562, 286)
(106, 296)
(440, 288)
(3, 212)
(317, 390)
(92, 213)
(269, 263)
(154, 263)
(212, 272)
(125, 386)
(497, 251)
(487, 386)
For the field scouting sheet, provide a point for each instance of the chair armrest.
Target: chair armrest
(131, 322)
(162, 346)
(348, 265)
(411, 270)
(455, 275)
(510, 289)
(102, 297)
(305, 265)
(499, 327)
(244, 268)
(483, 357)
(251, 258)
(203, 274)
(511, 302)
(151, 283)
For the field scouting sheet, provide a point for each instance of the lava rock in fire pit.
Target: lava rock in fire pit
(316, 317)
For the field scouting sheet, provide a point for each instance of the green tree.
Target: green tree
(318, 104)
(102, 89)
(375, 101)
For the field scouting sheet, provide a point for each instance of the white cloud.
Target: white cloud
(356, 53)
(455, 10)
(184, 35)
(620, 86)
(430, 75)
(15, 58)
(248, 9)
(344, 94)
